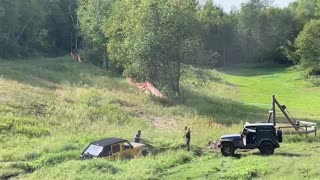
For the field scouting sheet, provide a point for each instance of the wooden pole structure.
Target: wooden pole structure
(274, 109)
(285, 114)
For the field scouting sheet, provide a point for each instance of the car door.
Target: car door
(249, 137)
(127, 150)
(116, 151)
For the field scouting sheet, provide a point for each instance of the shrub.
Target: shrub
(27, 126)
(102, 166)
(49, 159)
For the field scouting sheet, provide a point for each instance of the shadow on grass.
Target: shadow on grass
(253, 70)
(284, 154)
(196, 150)
(50, 72)
(291, 154)
(222, 110)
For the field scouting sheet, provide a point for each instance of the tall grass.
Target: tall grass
(52, 108)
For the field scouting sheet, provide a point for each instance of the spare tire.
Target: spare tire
(279, 135)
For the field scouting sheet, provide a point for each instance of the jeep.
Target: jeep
(114, 148)
(258, 135)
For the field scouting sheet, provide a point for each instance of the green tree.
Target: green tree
(151, 38)
(220, 34)
(276, 31)
(248, 19)
(61, 23)
(94, 18)
(9, 20)
(308, 44)
(30, 27)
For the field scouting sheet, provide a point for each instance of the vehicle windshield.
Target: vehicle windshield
(93, 150)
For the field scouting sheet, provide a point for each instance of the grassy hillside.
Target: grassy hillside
(51, 109)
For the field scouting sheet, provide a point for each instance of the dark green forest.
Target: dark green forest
(154, 40)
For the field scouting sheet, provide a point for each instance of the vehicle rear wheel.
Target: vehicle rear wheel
(266, 148)
(279, 135)
(227, 149)
(145, 152)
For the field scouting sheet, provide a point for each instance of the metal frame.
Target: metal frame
(296, 125)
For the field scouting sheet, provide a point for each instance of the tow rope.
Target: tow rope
(173, 145)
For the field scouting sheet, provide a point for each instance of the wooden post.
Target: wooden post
(284, 113)
(269, 116)
(274, 109)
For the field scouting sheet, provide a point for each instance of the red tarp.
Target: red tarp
(146, 87)
(76, 57)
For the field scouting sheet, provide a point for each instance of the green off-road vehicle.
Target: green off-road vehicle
(263, 136)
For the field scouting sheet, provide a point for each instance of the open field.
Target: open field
(51, 109)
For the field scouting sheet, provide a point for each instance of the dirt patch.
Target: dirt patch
(123, 103)
(4, 96)
(163, 123)
(45, 82)
(158, 122)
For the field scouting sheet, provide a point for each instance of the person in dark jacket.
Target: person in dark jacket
(137, 138)
(187, 134)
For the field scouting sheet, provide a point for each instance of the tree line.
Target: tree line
(153, 40)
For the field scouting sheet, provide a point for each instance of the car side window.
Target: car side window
(266, 129)
(116, 148)
(126, 146)
(249, 130)
(106, 151)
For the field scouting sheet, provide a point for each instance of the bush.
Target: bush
(181, 157)
(301, 138)
(313, 75)
(102, 166)
(27, 126)
(49, 159)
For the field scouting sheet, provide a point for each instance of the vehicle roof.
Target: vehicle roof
(257, 124)
(109, 141)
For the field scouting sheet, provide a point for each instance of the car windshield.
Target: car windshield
(93, 150)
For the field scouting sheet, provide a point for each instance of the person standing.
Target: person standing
(137, 138)
(187, 134)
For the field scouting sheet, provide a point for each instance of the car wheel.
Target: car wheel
(227, 149)
(266, 148)
(145, 152)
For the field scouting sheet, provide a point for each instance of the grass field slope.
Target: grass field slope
(50, 109)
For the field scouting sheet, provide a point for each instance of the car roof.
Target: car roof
(258, 124)
(109, 141)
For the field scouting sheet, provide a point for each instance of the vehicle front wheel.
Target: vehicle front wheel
(266, 148)
(227, 149)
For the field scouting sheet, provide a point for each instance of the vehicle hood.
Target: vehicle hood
(138, 145)
(230, 136)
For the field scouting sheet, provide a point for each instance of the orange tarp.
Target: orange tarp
(146, 87)
(76, 57)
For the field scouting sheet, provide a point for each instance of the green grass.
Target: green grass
(257, 85)
(50, 109)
